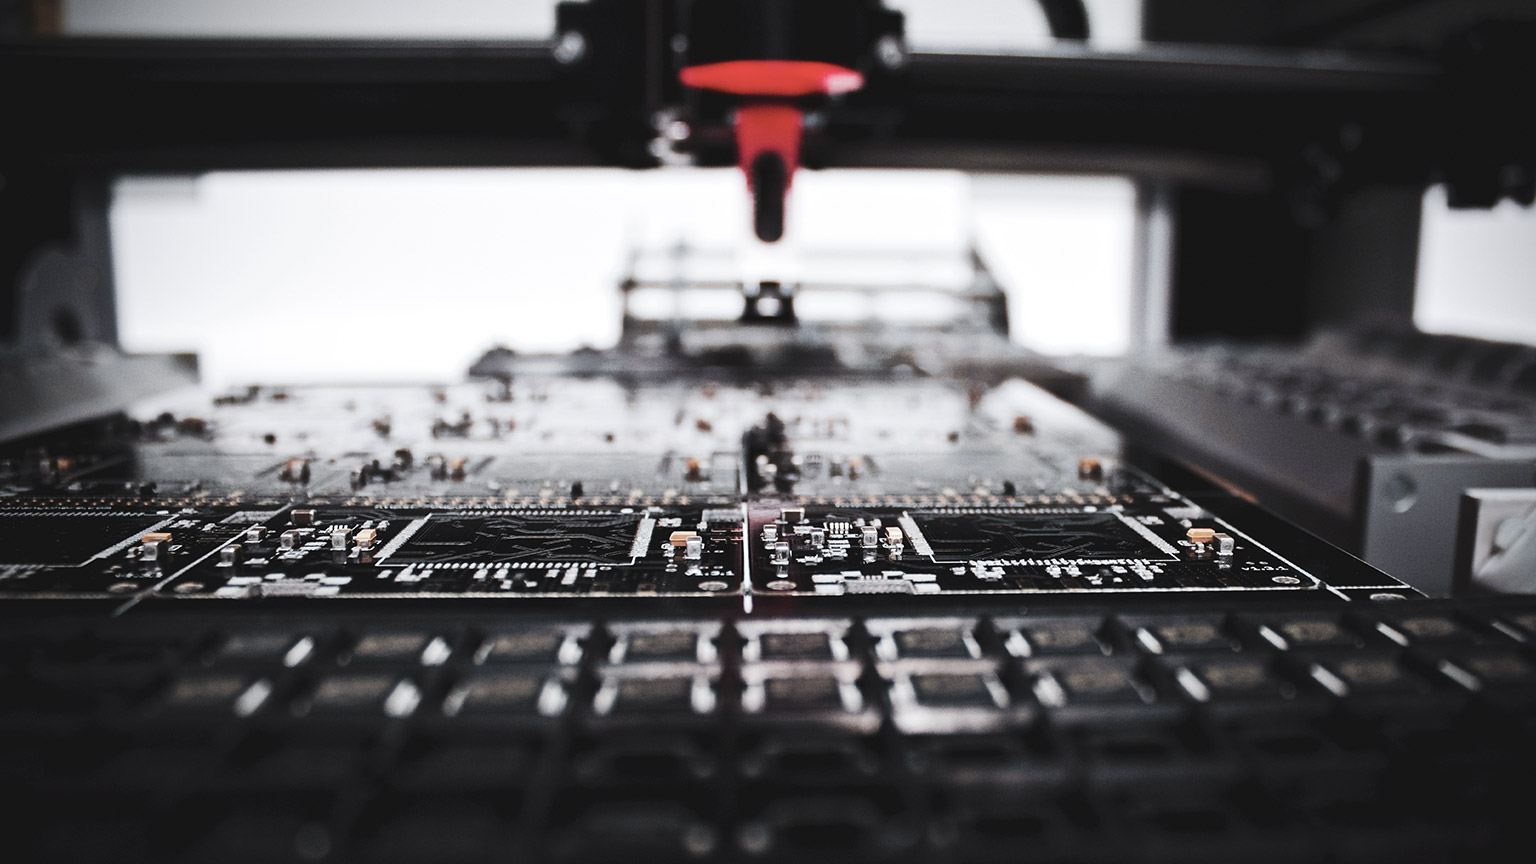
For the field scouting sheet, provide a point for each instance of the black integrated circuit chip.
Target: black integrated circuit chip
(586, 538)
(1004, 536)
(68, 538)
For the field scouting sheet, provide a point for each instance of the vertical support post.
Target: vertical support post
(1152, 266)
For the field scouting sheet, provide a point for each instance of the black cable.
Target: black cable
(1068, 19)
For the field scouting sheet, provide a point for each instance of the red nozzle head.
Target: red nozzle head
(768, 125)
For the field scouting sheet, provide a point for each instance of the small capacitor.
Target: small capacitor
(1201, 539)
(152, 551)
(296, 471)
(781, 554)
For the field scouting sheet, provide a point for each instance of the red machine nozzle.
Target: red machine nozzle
(769, 124)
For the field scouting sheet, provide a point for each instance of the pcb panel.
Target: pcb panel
(340, 551)
(575, 488)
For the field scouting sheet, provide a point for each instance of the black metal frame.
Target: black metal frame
(1295, 175)
(1225, 116)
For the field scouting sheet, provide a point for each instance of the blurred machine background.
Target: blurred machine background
(418, 442)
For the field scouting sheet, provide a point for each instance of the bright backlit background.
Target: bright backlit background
(404, 274)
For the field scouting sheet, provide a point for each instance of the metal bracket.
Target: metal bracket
(56, 283)
(1496, 545)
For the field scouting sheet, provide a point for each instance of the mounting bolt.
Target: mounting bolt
(890, 52)
(570, 47)
(1402, 492)
(1507, 533)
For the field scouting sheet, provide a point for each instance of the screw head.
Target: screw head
(570, 47)
(890, 52)
(1402, 492)
(1507, 533)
